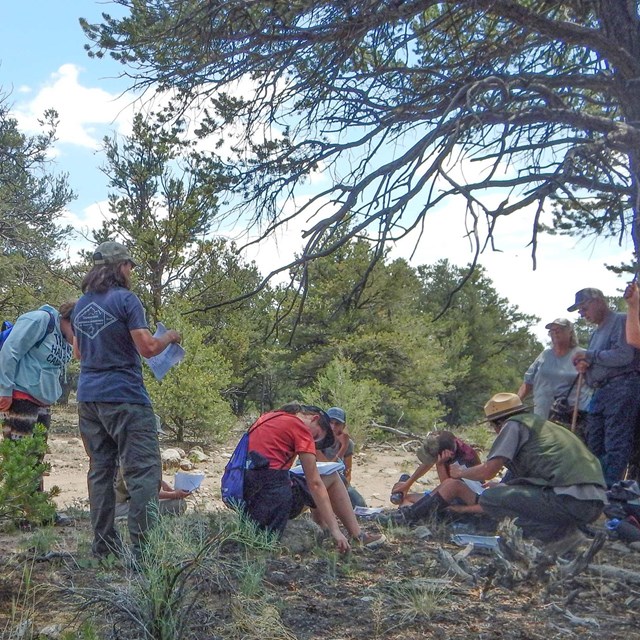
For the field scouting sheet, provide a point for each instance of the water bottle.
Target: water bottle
(398, 496)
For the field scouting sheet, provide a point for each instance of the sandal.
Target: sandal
(371, 540)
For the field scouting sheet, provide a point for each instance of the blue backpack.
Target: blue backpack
(8, 326)
(5, 331)
(232, 483)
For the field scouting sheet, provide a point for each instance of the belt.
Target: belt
(606, 381)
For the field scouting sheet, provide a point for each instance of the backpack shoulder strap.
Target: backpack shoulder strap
(51, 325)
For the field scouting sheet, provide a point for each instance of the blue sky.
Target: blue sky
(43, 64)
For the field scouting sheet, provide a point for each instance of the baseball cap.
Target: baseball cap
(584, 295)
(111, 253)
(559, 322)
(432, 446)
(336, 413)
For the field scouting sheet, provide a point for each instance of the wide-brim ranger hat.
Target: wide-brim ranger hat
(111, 253)
(502, 405)
(585, 295)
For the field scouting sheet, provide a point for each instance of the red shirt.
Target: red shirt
(280, 437)
(465, 454)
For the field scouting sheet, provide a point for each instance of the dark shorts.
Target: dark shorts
(22, 417)
(273, 497)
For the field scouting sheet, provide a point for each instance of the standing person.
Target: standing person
(31, 361)
(116, 418)
(632, 296)
(273, 496)
(612, 367)
(553, 375)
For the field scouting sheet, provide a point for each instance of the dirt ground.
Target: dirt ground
(374, 471)
(407, 589)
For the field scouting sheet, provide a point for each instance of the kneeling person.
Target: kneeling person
(555, 484)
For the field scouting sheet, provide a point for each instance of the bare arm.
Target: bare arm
(148, 346)
(403, 487)
(524, 390)
(481, 472)
(632, 296)
(321, 498)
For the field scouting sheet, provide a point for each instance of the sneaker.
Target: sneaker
(371, 540)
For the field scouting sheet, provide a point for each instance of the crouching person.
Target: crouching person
(273, 496)
(557, 483)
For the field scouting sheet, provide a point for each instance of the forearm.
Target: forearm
(633, 326)
(417, 474)
(524, 390)
(323, 505)
(482, 472)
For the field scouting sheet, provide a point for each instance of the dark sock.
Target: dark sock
(421, 510)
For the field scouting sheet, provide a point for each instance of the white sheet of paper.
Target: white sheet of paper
(474, 485)
(367, 511)
(187, 481)
(324, 468)
(170, 357)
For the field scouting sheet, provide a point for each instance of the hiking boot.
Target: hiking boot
(371, 540)
(565, 544)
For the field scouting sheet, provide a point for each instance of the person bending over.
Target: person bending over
(273, 496)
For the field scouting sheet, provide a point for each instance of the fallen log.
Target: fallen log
(615, 573)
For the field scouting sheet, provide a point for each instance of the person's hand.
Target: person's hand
(400, 487)
(445, 456)
(490, 485)
(5, 403)
(180, 494)
(173, 337)
(341, 542)
(456, 471)
(632, 294)
(580, 363)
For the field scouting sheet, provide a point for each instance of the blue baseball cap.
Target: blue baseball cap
(336, 413)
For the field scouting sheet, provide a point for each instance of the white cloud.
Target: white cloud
(86, 113)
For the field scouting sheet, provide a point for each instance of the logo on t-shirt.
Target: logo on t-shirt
(92, 320)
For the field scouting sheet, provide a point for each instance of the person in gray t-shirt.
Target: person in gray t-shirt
(612, 366)
(552, 375)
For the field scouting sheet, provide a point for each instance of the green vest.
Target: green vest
(553, 456)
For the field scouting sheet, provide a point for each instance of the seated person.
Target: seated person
(555, 486)
(171, 501)
(441, 448)
(273, 496)
(341, 450)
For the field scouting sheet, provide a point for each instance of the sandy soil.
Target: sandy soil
(374, 472)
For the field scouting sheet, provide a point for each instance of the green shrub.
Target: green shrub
(336, 386)
(188, 399)
(21, 468)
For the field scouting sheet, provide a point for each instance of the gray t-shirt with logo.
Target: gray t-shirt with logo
(551, 377)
